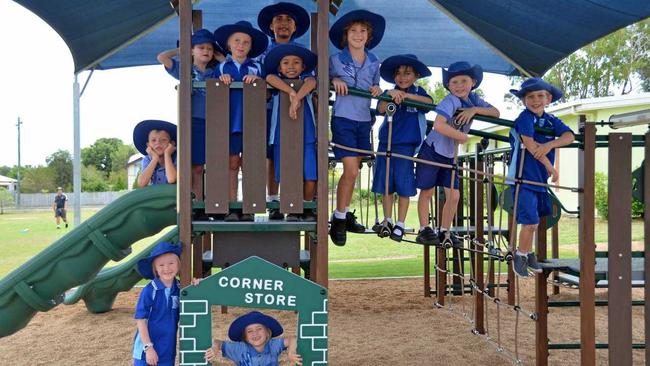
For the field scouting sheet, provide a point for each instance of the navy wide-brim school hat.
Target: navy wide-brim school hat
(145, 265)
(259, 39)
(237, 328)
(535, 84)
(205, 36)
(391, 64)
(377, 22)
(297, 12)
(462, 68)
(273, 58)
(142, 129)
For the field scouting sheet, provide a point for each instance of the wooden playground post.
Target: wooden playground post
(587, 248)
(619, 239)
(319, 263)
(458, 256)
(184, 140)
(646, 242)
(511, 273)
(479, 316)
(541, 299)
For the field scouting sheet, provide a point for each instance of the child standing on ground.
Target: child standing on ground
(157, 311)
(205, 54)
(354, 33)
(254, 343)
(441, 146)
(156, 140)
(408, 129)
(283, 22)
(295, 62)
(242, 42)
(539, 157)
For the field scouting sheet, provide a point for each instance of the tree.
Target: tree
(6, 199)
(607, 66)
(4, 170)
(60, 163)
(38, 179)
(93, 179)
(100, 154)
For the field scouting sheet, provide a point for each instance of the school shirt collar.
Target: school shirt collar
(346, 57)
(545, 116)
(159, 285)
(252, 351)
(246, 62)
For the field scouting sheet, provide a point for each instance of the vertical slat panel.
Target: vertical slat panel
(587, 251)
(619, 239)
(541, 299)
(458, 257)
(479, 315)
(217, 135)
(291, 153)
(254, 150)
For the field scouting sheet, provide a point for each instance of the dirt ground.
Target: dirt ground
(372, 322)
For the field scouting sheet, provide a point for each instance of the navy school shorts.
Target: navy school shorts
(350, 133)
(429, 176)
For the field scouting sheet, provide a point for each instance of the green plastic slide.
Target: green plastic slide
(99, 294)
(76, 258)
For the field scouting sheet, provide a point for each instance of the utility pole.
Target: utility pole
(18, 170)
(76, 161)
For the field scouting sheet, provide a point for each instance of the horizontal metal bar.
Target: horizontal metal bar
(563, 304)
(598, 346)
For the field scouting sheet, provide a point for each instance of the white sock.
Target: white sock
(339, 215)
(423, 227)
(389, 220)
(442, 229)
(273, 197)
(347, 209)
(521, 253)
(400, 224)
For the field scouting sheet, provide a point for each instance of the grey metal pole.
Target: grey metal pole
(18, 170)
(76, 162)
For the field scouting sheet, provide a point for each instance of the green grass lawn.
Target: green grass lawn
(25, 234)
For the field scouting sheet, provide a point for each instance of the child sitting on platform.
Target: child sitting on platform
(156, 140)
(453, 121)
(243, 43)
(408, 129)
(354, 33)
(534, 201)
(254, 343)
(294, 62)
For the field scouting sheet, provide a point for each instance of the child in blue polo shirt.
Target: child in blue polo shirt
(453, 121)
(283, 22)
(354, 33)
(242, 42)
(533, 201)
(205, 54)
(156, 140)
(408, 129)
(254, 342)
(157, 311)
(293, 62)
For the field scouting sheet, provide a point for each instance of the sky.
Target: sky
(37, 74)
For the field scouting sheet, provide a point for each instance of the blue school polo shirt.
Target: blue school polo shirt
(198, 95)
(237, 72)
(243, 354)
(533, 169)
(159, 175)
(309, 135)
(159, 305)
(409, 123)
(361, 76)
(447, 107)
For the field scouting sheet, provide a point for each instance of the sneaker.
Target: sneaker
(352, 225)
(233, 216)
(66, 225)
(293, 217)
(337, 231)
(426, 236)
(520, 265)
(309, 215)
(275, 214)
(383, 229)
(246, 217)
(533, 264)
(397, 234)
(452, 242)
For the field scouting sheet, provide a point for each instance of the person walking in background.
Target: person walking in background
(59, 206)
